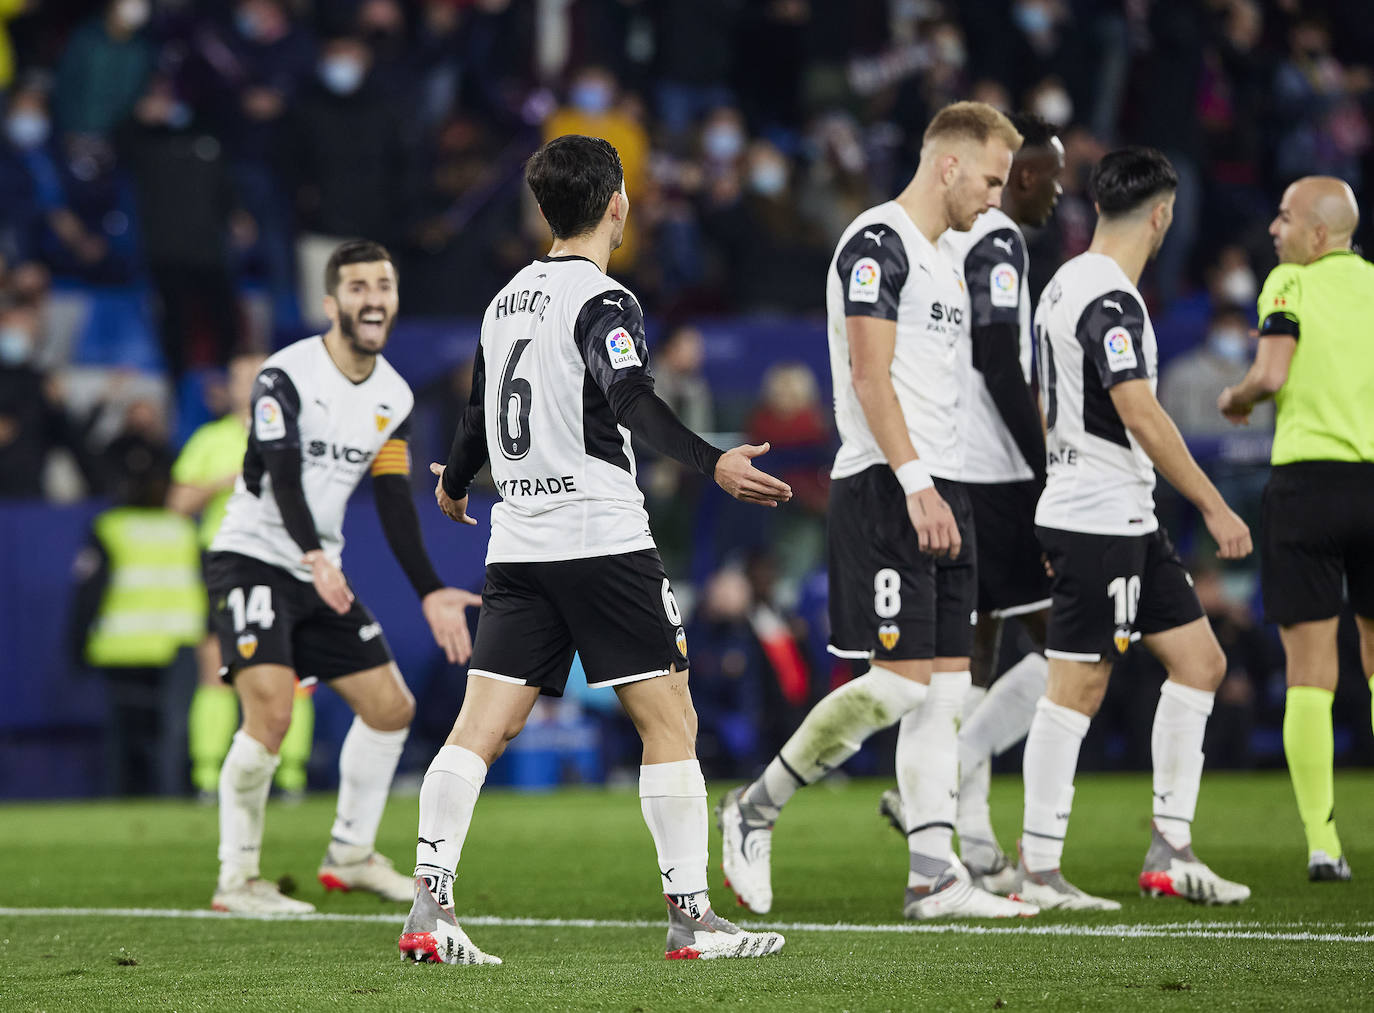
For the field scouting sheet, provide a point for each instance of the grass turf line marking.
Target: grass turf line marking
(1300, 932)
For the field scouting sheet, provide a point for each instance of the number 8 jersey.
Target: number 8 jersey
(554, 341)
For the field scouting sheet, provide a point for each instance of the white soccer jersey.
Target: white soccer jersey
(302, 401)
(554, 340)
(992, 258)
(884, 267)
(1094, 333)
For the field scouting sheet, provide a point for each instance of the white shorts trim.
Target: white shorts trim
(850, 655)
(1071, 656)
(642, 676)
(1021, 610)
(499, 678)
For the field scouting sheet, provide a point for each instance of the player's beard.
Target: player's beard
(348, 327)
(959, 219)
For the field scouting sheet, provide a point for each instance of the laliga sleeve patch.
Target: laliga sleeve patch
(620, 347)
(1004, 282)
(268, 421)
(865, 280)
(1120, 349)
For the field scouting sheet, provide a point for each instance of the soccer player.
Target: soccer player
(202, 480)
(1315, 360)
(1116, 577)
(1004, 472)
(560, 382)
(325, 411)
(902, 581)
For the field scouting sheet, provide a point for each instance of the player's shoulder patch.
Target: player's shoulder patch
(1120, 349)
(865, 280)
(620, 349)
(1004, 284)
(269, 423)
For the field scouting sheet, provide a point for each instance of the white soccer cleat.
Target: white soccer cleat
(374, 874)
(1322, 868)
(746, 855)
(258, 897)
(432, 936)
(954, 896)
(1176, 872)
(711, 936)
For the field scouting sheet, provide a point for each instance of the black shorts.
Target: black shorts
(888, 599)
(1316, 532)
(1109, 590)
(265, 616)
(1011, 575)
(618, 612)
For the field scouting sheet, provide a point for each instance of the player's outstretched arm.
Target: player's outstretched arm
(1265, 378)
(736, 474)
(1156, 433)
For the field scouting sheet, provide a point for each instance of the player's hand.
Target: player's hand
(329, 581)
(1230, 532)
(444, 611)
(934, 522)
(454, 509)
(1238, 412)
(736, 474)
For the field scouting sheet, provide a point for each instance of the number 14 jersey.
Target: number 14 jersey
(554, 341)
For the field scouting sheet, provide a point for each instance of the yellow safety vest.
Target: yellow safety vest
(155, 601)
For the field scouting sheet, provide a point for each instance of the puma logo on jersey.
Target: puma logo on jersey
(1115, 304)
(1004, 244)
(613, 302)
(877, 237)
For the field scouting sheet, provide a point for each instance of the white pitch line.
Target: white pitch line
(1299, 932)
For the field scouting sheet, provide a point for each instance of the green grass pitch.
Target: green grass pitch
(561, 858)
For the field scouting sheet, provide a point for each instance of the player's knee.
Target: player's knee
(395, 714)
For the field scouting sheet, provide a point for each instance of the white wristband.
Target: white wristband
(913, 477)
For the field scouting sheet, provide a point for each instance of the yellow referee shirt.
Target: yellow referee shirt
(1326, 406)
(212, 454)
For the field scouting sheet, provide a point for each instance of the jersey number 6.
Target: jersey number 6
(516, 396)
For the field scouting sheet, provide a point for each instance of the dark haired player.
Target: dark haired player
(560, 382)
(1116, 577)
(324, 411)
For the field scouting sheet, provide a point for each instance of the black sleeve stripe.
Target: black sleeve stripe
(1111, 330)
(610, 337)
(1279, 325)
(993, 271)
(276, 407)
(402, 432)
(873, 267)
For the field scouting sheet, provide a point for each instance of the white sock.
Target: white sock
(1005, 715)
(973, 821)
(448, 795)
(672, 797)
(1176, 746)
(833, 732)
(1051, 758)
(928, 775)
(244, 781)
(367, 762)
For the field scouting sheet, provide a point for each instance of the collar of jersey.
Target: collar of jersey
(566, 256)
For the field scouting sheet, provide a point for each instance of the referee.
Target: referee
(1316, 359)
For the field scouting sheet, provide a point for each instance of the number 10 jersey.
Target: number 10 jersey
(554, 341)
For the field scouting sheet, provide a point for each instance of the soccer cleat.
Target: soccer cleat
(1052, 892)
(954, 896)
(746, 854)
(711, 936)
(1322, 868)
(258, 897)
(1176, 872)
(890, 809)
(987, 864)
(431, 934)
(374, 874)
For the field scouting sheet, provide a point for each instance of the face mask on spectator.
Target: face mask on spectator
(591, 97)
(14, 346)
(768, 179)
(27, 129)
(1054, 107)
(1229, 343)
(132, 14)
(1239, 286)
(950, 51)
(1032, 18)
(247, 23)
(343, 75)
(178, 116)
(723, 143)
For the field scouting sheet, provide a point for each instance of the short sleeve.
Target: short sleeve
(1112, 333)
(873, 266)
(1280, 302)
(993, 270)
(610, 337)
(276, 408)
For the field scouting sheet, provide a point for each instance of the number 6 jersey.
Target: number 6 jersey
(554, 341)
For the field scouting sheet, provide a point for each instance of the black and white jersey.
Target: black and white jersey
(554, 341)
(885, 268)
(1093, 333)
(992, 257)
(342, 429)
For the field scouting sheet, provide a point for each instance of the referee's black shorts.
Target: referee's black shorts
(1317, 541)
